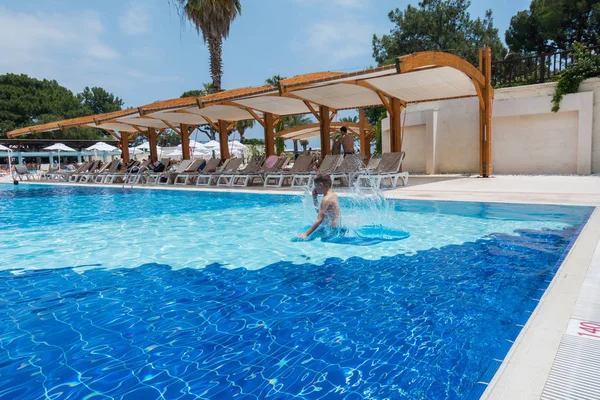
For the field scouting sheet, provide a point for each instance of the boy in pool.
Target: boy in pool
(329, 210)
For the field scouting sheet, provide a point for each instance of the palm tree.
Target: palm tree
(213, 18)
(274, 80)
(241, 127)
(349, 119)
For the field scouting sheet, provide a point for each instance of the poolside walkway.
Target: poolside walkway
(555, 355)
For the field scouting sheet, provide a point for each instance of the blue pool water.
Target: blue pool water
(161, 294)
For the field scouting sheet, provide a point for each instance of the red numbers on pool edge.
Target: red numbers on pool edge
(592, 328)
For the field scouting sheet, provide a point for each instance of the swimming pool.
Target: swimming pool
(177, 294)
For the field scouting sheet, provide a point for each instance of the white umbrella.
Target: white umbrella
(4, 148)
(146, 146)
(59, 147)
(101, 146)
(212, 145)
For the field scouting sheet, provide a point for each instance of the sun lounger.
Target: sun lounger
(101, 175)
(23, 173)
(328, 166)
(165, 177)
(271, 165)
(345, 171)
(65, 176)
(152, 178)
(136, 173)
(229, 167)
(91, 174)
(192, 171)
(226, 179)
(387, 170)
(76, 175)
(120, 176)
(303, 164)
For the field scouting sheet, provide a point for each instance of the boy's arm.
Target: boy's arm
(317, 223)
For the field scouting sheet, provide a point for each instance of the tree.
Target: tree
(274, 80)
(98, 101)
(170, 138)
(552, 25)
(241, 127)
(438, 25)
(213, 19)
(208, 88)
(26, 101)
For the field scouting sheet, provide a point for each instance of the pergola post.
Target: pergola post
(395, 125)
(152, 139)
(125, 147)
(223, 139)
(485, 114)
(365, 145)
(269, 134)
(325, 134)
(185, 141)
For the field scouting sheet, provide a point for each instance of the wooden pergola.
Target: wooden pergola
(415, 78)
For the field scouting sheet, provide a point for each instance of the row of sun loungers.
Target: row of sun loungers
(272, 172)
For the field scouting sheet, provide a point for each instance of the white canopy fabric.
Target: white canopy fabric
(59, 147)
(4, 148)
(101, 146)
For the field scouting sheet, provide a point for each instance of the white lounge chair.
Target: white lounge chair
(303, 164)
(328, 166)
(387, 170)
(229, 167)
(192, 171)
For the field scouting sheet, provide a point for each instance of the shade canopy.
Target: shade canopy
(101, 146)
(59, 147)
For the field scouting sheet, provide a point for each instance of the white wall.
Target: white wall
(527, 138)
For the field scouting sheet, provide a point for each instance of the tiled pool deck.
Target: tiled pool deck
(555, 356)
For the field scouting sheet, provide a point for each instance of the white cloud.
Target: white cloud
(135, 20)
(339, 42)
(28, 39)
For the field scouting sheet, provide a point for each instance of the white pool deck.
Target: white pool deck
(556, 354)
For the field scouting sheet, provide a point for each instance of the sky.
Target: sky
(142, 51)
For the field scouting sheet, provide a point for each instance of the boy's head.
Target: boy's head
(344, 129)
(322, 183)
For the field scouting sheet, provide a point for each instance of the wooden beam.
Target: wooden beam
(113, 134)
(324, 129)
(333, 114)
(269, 134)
(416, 61)
(185, 141)
(256, 116)
(223, 139)
(312, 109)
(396, 126)
(488, 99)
(211, 123)
(365, 143)
(152, 139)
(125, 147)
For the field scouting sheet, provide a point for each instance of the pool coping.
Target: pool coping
(525, 370)
(395, 194)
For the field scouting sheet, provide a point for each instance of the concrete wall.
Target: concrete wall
(528, 138)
